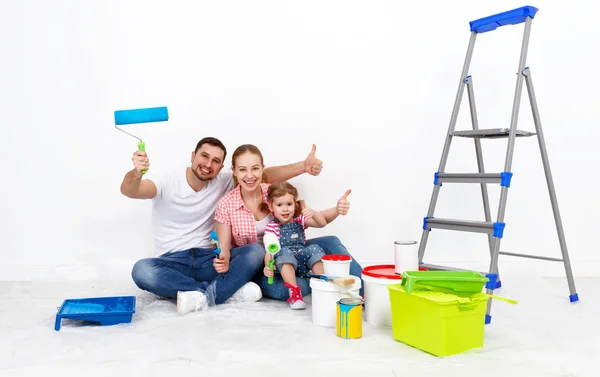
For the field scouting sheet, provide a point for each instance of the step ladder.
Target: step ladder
(494, 230)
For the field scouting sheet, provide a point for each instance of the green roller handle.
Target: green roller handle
(142, 147)
(272, 267)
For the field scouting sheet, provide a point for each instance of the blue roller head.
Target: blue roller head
(148, 115)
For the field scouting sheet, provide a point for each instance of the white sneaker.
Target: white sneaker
(190, 301)
(249, 292)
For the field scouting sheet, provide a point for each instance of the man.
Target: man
(184, 205)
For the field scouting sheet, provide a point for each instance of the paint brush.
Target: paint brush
(341, 281)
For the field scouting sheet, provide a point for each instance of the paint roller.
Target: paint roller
(272, 246)
(214, 241)
(135, 116)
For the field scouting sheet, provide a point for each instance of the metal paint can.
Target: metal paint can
(349, 318)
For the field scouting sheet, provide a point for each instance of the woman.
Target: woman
(243, 214)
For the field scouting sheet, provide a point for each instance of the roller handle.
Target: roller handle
(272, 267)
(142, 147)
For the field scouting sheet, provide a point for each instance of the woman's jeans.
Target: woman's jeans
(278, 291)
(192, 270)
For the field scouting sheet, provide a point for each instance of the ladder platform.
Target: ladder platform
(511, 17)
(496, 229)
(491, 133)
(502, 178)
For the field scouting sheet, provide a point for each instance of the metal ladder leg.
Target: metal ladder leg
(480, 165)
(508, 161)
(446, 150)
(573, 296)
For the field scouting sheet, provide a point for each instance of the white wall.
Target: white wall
(372, 83)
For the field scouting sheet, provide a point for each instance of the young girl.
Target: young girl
(287, 227)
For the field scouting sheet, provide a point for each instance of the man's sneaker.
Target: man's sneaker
(249, 292)
(190, 301)
(296, 301)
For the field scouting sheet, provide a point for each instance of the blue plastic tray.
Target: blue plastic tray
(106, 310)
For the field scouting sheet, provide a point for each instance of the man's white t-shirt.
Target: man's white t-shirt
(181, 217)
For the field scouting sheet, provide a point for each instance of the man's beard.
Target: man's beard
(203, 179)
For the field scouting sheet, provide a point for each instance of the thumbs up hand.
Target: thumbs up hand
(343, 204)
(312, 165)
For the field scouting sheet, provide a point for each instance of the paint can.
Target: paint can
(349, 318)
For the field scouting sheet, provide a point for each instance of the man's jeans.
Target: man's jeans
(192, 270)
(278, 291)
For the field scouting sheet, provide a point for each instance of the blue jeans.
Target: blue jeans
(329, 244)
(192, 270)
(301, 258)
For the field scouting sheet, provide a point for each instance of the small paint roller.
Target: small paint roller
(272, 246)
(135, 116)
(214, 240)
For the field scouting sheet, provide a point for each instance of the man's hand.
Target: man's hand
(312, 165)
(343, 204)
(221, 263)
(140, 162)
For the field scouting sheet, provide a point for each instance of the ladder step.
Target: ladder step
(492, 133)
(496, 229)
(502, 178)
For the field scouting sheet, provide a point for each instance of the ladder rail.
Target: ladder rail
(509, 155)
(479, 153)
(549, 181)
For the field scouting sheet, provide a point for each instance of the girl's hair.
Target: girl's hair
(247, 148)
(279, 189)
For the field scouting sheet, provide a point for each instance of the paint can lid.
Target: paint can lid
(336, 258)
(352, 301)
(384, 271)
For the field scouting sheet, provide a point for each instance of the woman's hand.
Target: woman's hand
(308, 213)
(221, 263)
(312, 165)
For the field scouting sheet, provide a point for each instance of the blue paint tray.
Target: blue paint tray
(106, 310)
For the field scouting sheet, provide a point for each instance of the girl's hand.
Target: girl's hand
(268, 273)
(343, 205)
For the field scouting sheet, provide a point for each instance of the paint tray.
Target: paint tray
(457, 281)
(105, 310)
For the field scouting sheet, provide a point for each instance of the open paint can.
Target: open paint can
(349, 318)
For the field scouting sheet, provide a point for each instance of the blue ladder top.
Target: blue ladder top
(511, 17)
